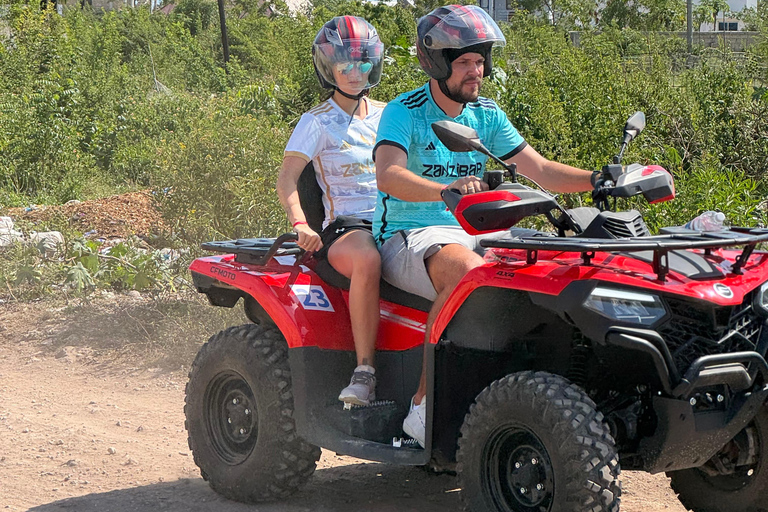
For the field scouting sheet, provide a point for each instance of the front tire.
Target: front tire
(737, 482)
(534, 442)
(239, 417)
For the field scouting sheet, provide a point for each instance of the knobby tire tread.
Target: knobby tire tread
(283, 464)
(591, 472)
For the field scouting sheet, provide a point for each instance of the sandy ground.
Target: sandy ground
(85, 429)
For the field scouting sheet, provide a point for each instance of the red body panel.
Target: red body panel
(650, 169)
(554, 271)
(472, 199)
(308, 311)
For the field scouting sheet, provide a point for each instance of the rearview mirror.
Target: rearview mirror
(634, 126)
(463, 139)
(457, 137)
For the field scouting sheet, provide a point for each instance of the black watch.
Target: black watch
(595, 176)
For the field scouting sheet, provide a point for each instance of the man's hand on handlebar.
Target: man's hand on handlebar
(468, 185)
(596, 178)
(602, 190)
(309, 240)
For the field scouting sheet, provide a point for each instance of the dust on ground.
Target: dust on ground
(92, 422)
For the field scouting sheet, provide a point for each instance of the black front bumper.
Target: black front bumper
(687, 436)
(687, 439)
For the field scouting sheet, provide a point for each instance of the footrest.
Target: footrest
(380, 421)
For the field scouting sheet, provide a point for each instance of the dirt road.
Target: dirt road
(87, 427)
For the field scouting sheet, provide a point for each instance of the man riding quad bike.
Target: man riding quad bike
(562, 359)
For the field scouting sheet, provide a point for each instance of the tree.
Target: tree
(755, 20)
(645, 14)
(708, 10)
(567, 14)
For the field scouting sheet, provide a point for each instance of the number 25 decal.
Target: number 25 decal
(312, 297)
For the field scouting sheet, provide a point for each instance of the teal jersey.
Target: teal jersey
(406, 123)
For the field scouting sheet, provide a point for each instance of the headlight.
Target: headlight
(625, 306)
(761, 300)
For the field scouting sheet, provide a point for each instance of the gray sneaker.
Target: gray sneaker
(362, 387)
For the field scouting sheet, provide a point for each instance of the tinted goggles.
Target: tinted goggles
(346, 68)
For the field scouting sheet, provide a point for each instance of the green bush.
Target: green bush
(82, 266)
(221, 180)
(96, 103)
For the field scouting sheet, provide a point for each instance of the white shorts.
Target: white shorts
(403, 255)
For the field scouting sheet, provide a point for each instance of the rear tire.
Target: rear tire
(239, 410)
(534, 442)
(746, 490)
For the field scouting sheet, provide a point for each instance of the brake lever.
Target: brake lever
(601, 193)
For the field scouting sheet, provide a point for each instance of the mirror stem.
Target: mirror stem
(512, 168)
(617, 158)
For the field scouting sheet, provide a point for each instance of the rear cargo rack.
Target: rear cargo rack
(671, 239)
(256, 251)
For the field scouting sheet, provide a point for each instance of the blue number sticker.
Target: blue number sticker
(322, 300)
(312, 297)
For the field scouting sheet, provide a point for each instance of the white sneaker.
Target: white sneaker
(362, 387)
(415, 424)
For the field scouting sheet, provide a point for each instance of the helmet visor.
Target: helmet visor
(352, 55)
(465, 25)
(348, 67)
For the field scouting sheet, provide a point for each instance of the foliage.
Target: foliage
(645, 14)
(97, 103)
(568, 14)
(709, 188)
(755, 18)
(705, 119)
(222, 178)
(85, 265)
(706, 11)
(197, 16)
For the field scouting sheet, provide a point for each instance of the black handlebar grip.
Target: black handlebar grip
(493, 178)
(451, 197)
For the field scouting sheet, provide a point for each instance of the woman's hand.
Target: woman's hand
(309, 240)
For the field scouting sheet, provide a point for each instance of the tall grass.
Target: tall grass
(91, 104)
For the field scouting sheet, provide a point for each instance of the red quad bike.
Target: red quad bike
(547, 366)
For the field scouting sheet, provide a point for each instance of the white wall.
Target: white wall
(735, 6)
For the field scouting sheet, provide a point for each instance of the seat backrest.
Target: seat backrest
(311, 198)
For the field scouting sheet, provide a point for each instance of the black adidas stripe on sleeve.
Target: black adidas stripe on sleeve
(515, 151)
(388, 143)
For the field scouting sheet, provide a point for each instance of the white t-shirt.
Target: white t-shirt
(340, 148)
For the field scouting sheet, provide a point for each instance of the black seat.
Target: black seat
(311, 199)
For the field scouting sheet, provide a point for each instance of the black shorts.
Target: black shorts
(341, 225)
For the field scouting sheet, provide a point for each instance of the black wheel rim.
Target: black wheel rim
(517, 471)
(231, 417)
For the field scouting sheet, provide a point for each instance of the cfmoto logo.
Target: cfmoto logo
(723, 290)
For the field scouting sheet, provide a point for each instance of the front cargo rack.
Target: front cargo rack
(671, 239)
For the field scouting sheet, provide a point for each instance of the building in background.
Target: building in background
(498, 9)
(726, 21)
